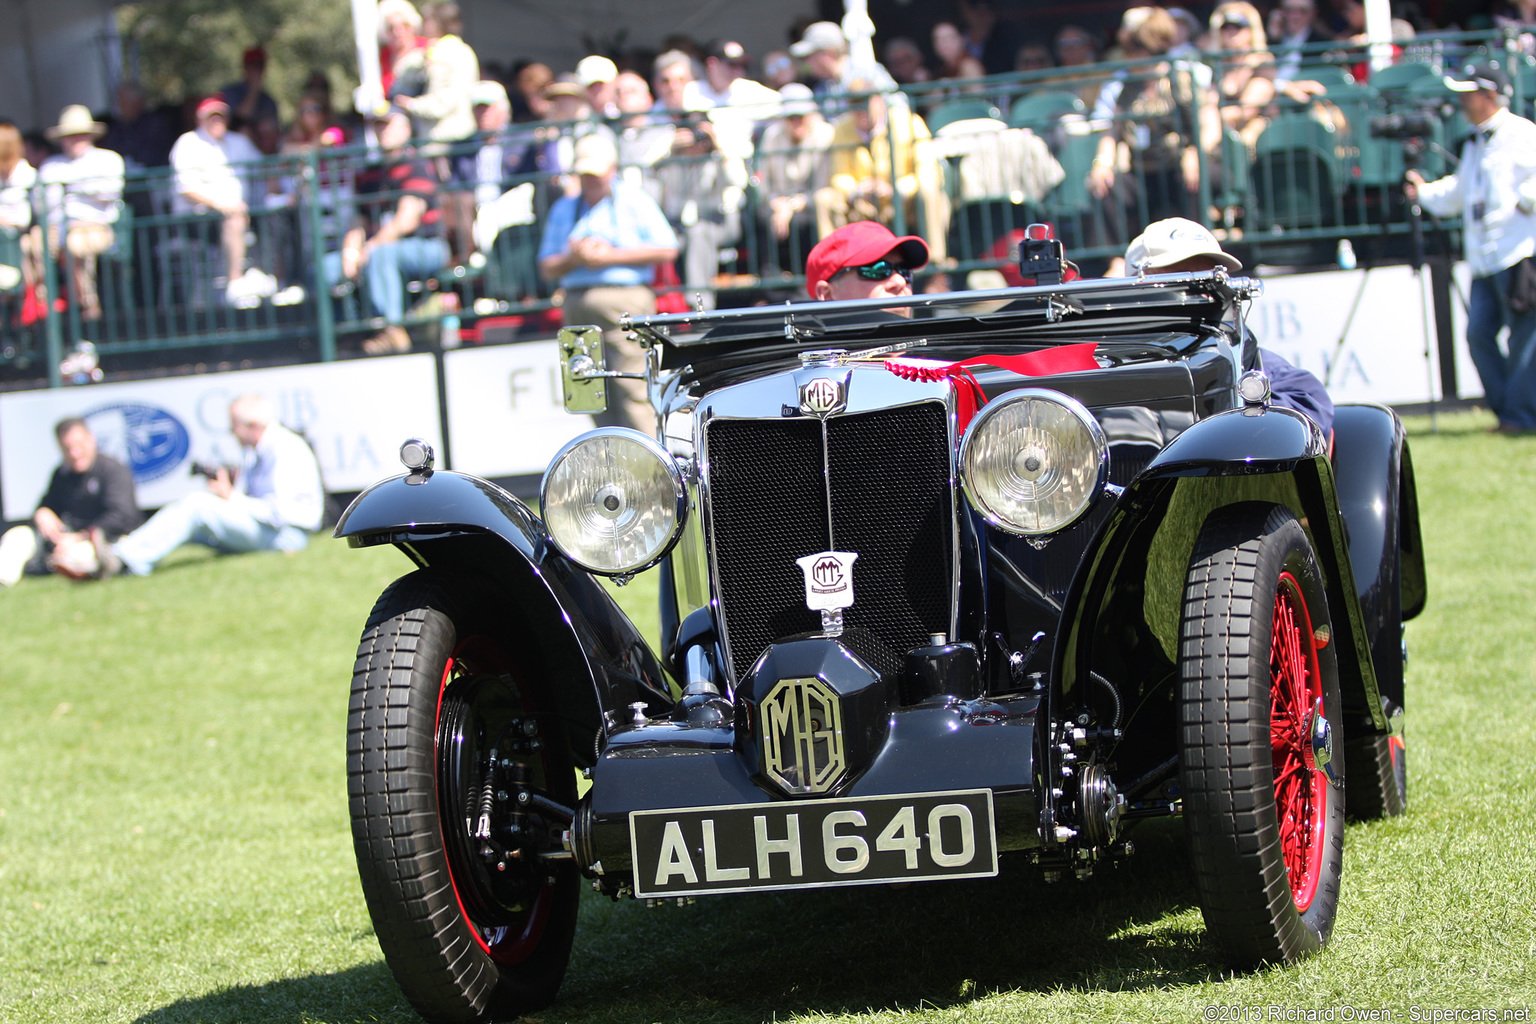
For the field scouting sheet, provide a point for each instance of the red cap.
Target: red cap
(254, 55)
(853, 245)
(211, 104)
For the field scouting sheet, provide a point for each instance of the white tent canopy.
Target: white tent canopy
(52, 54)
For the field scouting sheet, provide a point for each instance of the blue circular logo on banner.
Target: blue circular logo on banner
(154, 441)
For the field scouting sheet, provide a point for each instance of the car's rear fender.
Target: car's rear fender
(1129, 591)
(593, 659)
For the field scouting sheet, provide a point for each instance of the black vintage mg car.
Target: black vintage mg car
(949, 585)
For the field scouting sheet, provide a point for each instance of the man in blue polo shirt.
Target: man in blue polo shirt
(603, 245)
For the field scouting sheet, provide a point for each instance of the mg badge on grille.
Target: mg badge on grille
(823, 396)
(803, 736)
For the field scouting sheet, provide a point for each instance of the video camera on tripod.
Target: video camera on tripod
(1415, 127)
(1411, 124)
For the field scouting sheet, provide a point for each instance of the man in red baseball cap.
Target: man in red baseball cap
(864, 260)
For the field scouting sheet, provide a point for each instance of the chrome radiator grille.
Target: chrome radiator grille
(891, 502)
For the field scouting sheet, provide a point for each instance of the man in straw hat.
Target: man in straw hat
(83, 190)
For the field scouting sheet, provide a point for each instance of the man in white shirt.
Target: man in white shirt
(209, 180)
(83, 192)
(1494, 192)
(273, 503)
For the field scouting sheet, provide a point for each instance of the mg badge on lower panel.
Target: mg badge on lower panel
(803, 736)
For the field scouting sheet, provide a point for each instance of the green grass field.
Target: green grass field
(174, 843)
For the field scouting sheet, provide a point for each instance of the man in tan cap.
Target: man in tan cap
(602, 245)
(83, 192)
(1178, 245)
(824, 49)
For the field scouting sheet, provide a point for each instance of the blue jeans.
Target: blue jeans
(203, 518)
(1509, 380)
(389, 267)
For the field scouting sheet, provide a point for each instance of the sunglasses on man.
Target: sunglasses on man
(876, 271)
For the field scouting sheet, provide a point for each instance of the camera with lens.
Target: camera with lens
(1410, 124)
(210, 470)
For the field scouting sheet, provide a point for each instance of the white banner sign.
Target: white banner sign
(1379, 354)
(355, 413)
(505, 413)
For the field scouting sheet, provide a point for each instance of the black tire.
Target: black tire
(1377, 770)
(432, 696)
(1264, 818)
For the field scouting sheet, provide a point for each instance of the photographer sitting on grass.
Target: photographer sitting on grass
(274, 502)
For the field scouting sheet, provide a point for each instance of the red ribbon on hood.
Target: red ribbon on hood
(968, 393)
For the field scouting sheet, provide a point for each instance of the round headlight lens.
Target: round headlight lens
(1033, 460)
(613, 501)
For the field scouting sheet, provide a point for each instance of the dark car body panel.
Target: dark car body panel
(454, 520)
(1057, 652)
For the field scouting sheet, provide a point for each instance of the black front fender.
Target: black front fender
(591, 658)
(1121, 617)
(1376, 496)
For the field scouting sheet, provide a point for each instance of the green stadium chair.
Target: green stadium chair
(1235, 188)
(1298, 177)
(957, 110)
(1398, 77)
(1329, 76)
(1041, 110)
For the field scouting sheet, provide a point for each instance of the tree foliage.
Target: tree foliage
(179, 49)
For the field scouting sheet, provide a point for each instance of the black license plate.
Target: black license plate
(805, 844)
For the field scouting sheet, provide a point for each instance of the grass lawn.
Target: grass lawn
(174, 843)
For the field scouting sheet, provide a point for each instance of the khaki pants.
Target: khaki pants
(602, 306)
(84, 242)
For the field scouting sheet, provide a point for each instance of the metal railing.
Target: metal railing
(1318, 173)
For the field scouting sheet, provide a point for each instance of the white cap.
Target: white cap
(594, 69)
(594, 154)
(488, 93)
(819, 35)
(1174, 240)
(796, 100)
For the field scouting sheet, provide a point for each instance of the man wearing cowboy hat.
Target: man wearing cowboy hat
(83, 190)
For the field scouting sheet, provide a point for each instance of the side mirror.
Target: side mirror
(582, 380)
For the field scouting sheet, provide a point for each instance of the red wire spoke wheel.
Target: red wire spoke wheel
(1259, 711)
(1296, 695)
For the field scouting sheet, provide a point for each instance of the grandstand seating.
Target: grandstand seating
(1315, 174)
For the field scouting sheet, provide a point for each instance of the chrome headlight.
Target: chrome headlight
(613, 501)
(1033, 460)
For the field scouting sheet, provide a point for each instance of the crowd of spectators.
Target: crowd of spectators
(750, 159)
